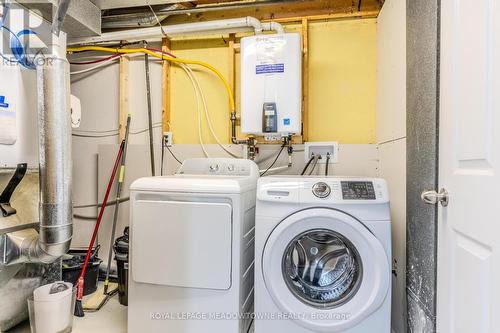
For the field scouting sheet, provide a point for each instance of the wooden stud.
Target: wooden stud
(305, 79)
(124, 93)
(166, 88)
(232, 72)
(335, 16)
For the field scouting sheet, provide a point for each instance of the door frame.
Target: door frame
(423, 63)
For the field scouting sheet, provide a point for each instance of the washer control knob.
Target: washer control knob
(230, 168)
(214, 168)
(321, 190)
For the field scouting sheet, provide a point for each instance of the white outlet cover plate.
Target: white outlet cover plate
(322, 148)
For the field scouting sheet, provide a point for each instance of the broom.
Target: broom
(81, 280)
(119, 188)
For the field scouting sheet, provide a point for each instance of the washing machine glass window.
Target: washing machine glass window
(322, 268)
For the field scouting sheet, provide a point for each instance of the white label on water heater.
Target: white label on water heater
(8, 126)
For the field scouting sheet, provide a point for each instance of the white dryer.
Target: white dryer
(192, 249)
(323, 255)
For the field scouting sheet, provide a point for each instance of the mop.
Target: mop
(104, 293)
(81, 280)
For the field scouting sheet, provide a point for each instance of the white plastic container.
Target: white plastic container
(18, 117)
(271, 77)
(50, 313)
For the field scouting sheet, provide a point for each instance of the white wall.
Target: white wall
(391, 137)
(93, 157)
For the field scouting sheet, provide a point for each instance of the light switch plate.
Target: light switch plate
(322, 149)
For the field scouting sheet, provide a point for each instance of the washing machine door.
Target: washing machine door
(325, 269)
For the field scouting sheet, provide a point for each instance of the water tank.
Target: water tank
(271, 84)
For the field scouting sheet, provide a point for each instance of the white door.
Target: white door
(468, 287)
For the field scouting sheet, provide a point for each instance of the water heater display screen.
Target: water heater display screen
(358, 191)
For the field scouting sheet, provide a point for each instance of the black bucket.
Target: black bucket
(72, 267)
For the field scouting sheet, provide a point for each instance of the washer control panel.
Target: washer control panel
(358, 190)
(325, 190)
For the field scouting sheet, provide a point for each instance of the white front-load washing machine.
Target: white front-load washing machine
(323, 255)
(192, 249)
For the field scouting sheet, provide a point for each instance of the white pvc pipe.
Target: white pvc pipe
(273, 26)
(156, 33)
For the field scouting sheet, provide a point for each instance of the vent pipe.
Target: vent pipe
(54, 125)
(157, 33)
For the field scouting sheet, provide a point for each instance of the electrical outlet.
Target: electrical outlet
(168, 139)
(322, 149)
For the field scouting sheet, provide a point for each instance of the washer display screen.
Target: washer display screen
(358, 190)
(322, 268)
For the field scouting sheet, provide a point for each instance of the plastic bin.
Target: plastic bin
(50, 313)
(121, 249)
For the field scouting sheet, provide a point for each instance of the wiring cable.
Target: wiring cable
(274, 162)
(99, 65)
(162, 159)
(327, 163)
(109, 133)
(157, 19)
(85, 217)
(163, 57)
(307, 165)
(92, 62)
(173, 155)
(103, 62)
(98, 205)
(315, 163)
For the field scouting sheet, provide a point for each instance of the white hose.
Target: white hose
(280, 168)
(207, 116)
(200, 134)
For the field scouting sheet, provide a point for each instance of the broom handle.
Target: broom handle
(101, 212)
(119, 187)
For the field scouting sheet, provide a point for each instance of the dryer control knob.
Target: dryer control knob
(321, 190)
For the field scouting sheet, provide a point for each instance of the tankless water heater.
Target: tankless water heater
(271, 84)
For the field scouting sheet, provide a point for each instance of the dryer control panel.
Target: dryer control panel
(218, 167)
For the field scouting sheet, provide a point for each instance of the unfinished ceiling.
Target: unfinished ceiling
(175, 11)
(88, 18)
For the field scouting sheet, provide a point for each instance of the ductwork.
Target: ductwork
(55, 160)
(54, 121)
(156, 33)
(56, 204)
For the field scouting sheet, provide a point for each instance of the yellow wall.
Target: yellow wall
(342, 79)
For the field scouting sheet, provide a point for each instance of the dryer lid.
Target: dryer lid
(323, 261)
